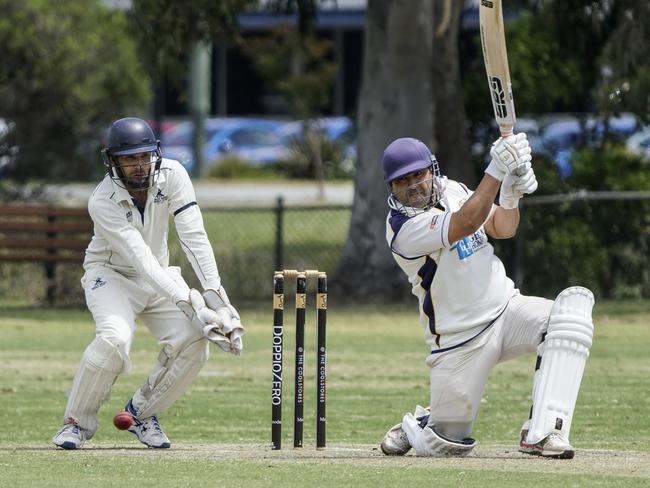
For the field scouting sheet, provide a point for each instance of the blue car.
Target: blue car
(335, 128)
(563, 136)
(251, 139)
(339, 130)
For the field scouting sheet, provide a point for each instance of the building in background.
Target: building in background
(238, 89)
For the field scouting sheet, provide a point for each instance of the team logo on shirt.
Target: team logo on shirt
(99, 281)
(129, 216)
(470, 244)
(160, 197)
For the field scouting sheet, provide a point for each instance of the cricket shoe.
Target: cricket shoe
(71, 436)
(148, 430)
(551, 446)
(395, 441)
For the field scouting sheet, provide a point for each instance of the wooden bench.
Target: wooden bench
(44, 234)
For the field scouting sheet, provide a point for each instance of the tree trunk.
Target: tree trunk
(452, 149)
(396, 101)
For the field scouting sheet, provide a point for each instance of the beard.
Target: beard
(417, 195)
(138, 182)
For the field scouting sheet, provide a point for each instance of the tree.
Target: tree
(297, 66)
(168, 29)
(396, 101)
(68, 68)
(626, 80)
(452, 150)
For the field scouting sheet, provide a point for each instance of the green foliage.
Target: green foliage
(558, 53)
(602, 245)
(303, 151)
(167, 29)
(626, 80)
(297, 66)
(610, 168)
(68, 68)
(546, 78)
(622, 228)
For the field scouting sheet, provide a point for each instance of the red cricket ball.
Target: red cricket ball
(123, 420)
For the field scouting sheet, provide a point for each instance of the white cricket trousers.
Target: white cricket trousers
(115, 301)
(458, 376)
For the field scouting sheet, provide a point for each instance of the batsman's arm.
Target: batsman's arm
(475, 211)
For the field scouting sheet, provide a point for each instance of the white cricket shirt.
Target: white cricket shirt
(135, 243)
(461, 286)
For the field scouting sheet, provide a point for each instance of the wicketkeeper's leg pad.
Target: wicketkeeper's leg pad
(171, 377)
(564, 353)
(427, 442)
(101, 363)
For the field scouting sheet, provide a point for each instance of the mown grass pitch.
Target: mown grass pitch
(220, 430)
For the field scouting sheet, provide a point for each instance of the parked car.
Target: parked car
(339, 130)
(639, 143)
(251, 139)
(335, 128)
(564, 134)
(557, 136)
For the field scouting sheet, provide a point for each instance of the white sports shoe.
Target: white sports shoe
(552, 446)
(148, 431)
(395, 442)
(71, 436)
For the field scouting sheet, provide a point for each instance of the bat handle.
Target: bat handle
(506, 130)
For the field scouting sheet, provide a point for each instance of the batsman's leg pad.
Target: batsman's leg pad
(563, 353)
(427, 442)
(172, 376)
(101, 363)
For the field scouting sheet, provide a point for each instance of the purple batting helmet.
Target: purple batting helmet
(403, 156)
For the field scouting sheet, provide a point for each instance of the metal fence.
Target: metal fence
(596, 239)
(251, 243)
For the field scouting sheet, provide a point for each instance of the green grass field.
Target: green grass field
(220, 430)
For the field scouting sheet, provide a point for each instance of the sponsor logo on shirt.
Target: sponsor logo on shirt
(99, 281)
(434, 222)
(470, 244)
(129, 216)
(160, 197)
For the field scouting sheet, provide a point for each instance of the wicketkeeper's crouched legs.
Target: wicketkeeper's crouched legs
(102, 361)
(173, 374)
(562, 358)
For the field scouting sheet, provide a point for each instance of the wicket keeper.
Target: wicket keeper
(127, 276)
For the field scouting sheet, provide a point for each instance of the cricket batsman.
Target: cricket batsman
(127, 276)
(472, 315)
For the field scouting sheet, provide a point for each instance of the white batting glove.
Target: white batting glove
(509, 156)
(527, 182)
(227, 319)
(514, 187)
(196, 310)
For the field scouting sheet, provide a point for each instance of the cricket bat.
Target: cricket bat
(495, 56)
